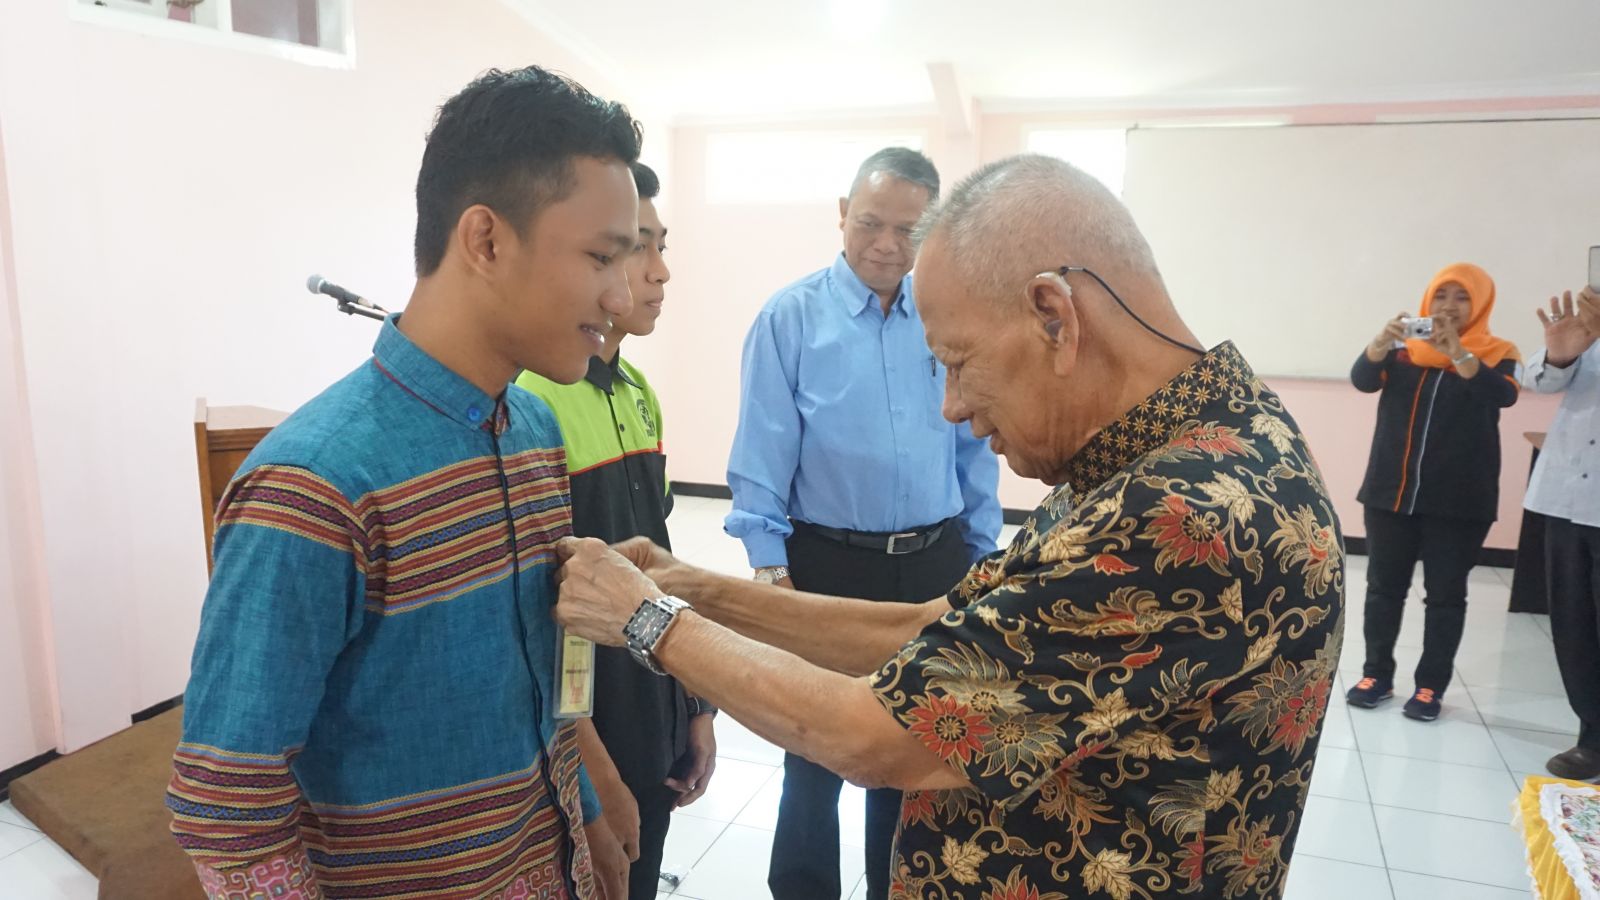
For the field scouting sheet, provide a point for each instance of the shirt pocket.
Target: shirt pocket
(933, 374)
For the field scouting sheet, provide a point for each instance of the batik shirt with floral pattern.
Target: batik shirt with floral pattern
(1135, 686)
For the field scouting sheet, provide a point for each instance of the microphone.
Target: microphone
(316, 284)
(350, 303)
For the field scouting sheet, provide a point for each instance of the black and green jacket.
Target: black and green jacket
(611, 426)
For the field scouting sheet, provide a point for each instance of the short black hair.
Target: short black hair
(645, 178)
(903, 163)
(507, 141)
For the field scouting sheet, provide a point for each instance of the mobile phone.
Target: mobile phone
(1594, 268)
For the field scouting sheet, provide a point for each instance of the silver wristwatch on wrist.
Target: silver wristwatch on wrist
(645, 630)
(772, 574)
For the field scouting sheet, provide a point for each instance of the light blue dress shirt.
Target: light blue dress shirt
(1566, 481)
(840, 424)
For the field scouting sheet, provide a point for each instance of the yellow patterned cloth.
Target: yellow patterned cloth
(1552, 877)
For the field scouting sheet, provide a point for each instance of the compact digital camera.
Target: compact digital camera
(1421, 327)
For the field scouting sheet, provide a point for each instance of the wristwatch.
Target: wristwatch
(772, 574)
(648, 626)
(1462, 360)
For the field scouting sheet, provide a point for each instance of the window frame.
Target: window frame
(213, 26)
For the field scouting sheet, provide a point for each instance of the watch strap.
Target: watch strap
(648, 626)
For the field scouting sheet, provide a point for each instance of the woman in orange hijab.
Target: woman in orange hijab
(1432, 485)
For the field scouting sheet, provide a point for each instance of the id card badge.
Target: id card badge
(574, 676)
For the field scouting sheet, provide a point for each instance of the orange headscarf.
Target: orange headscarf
(1475, 335)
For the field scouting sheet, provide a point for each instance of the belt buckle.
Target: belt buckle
(894, 540)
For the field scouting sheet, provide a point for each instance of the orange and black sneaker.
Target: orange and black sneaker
(1423, 705)
(1369, 692)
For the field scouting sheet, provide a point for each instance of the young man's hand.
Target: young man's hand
(702, 755)
(610, 862)
(616, 801)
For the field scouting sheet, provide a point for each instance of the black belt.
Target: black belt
(897, 544)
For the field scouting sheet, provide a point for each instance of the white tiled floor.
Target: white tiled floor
(1400, 810)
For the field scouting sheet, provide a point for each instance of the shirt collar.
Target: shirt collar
(1151, 423)
(430, 381)
(859, 298)
(604, 375)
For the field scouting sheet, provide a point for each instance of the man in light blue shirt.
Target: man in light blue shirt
(846, 477)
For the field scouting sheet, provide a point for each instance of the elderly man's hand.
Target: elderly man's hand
(600, 590)
(653, 560)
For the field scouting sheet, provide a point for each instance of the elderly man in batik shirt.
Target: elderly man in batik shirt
(1126, 701)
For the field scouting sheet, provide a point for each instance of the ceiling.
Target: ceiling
(712, 59)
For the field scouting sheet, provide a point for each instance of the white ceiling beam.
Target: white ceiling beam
(955, 107)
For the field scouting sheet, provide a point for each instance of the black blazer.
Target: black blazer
(1436, 451)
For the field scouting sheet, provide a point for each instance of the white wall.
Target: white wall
(168, 200)
(1301, 242)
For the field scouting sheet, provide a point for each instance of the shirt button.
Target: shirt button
(474, 414)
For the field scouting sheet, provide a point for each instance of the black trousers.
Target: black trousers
(1572, 577)
(655, 815)
(1448, 549)
(805, 850)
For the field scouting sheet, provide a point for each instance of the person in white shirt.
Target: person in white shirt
(1566, 489)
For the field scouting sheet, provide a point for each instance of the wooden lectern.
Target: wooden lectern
(103, 804)
(223, 437)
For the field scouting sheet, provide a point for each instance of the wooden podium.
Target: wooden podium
(104, 803)
(223, 437)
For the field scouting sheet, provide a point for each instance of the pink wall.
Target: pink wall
(168, 200)
(28, 723)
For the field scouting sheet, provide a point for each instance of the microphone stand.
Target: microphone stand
(350, 309)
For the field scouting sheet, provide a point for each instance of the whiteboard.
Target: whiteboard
(1298, 242)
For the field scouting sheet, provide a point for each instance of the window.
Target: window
(1102, 152)
(318, 32)
(781, 168)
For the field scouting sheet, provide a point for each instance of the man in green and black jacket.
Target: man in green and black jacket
(659, 739)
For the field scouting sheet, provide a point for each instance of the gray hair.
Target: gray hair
(904, 164)
(1026, 214)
